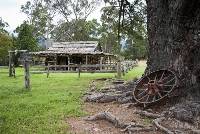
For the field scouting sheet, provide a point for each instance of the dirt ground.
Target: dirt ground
(123, 113)
(79, 126)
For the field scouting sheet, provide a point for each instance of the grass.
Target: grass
(136, 72)
(50, 101)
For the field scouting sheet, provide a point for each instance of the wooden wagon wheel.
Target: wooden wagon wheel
(155, 86)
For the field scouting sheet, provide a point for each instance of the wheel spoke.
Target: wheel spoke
(159, 95)
(167, 85)
(148, 78)
(154, 98)
(147, 98)
(143, 97)
(162, 75)
(141, 93)
(170, 80)
(155, 77)
(145, 85)
(166, 78)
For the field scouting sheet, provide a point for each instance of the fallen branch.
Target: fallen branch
(157, 121)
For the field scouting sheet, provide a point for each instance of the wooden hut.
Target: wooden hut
(80, 52)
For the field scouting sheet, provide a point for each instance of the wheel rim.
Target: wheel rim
(155, 86)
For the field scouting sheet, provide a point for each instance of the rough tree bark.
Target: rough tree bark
(174, 40)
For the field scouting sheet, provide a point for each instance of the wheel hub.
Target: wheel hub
(154, 87)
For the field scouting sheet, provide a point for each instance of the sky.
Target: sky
(10, 13)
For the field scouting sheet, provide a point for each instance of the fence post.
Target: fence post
(79, 71)
(26, 73)
(48, 70)
(13, 70)
(10, 63)
(119, 69)
(101, 61)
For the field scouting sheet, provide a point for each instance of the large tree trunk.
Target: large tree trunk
(174, 39)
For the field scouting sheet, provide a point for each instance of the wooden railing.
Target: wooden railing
(119, 67)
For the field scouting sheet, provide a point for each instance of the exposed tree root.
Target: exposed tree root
(147, 114)
(106, 116)
(121, 93)
(157, 121)
(157, 118)
(109, 97)
(127, 127)
(186, 112)
(130, 129)
(129, 105)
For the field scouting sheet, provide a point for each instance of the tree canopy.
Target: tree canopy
(6, 42)
(124, 28)
(25, 39)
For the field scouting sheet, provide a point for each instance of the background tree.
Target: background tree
(76, 30)
(6, 43)
(40, 16)
(3, 25)
(125, 30)
(74, 9)
(109, 29)
(74, 25)
(25, 39)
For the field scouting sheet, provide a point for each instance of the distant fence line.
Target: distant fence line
(121, 67)
(93, 68)
(4, 67)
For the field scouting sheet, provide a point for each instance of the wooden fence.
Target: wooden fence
(119, 67)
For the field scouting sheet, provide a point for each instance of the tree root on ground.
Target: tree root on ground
(127, 127)
(162, 128)
(157, 118)
(109, 97)
(147, 114)
(131, 127)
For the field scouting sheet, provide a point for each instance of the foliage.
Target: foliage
(76, 30)
(109, 30)
(74, 26)
(25, 39)
(135, 50)
(128, 26)
(6, 44)
(40, 17)
(3, 25)
(74, 9)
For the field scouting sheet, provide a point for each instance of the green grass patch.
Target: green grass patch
(44, 108)
(136, 72)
